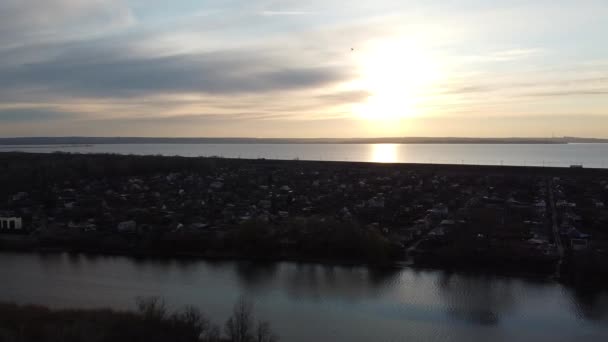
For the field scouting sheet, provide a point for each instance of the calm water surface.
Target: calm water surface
(589, 155)
(309, 302)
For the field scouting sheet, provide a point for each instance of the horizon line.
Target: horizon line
(252, 137)
(297, 138)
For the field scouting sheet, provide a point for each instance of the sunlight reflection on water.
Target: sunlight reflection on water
(384, 153)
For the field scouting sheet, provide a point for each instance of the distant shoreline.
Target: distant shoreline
(45, 146)
(71, 141)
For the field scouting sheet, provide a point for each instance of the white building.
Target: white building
(11, 223)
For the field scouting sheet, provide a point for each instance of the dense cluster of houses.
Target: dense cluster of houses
(426, 213)
(582, 221)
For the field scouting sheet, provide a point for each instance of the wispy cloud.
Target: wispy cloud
(270, 13)
(564, 93)
(21, 115)
(503, 55)
(25, 21)
(544, 85)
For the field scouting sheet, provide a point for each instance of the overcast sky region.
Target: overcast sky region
(317, 68)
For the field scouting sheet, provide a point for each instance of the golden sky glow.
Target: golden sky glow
(320, 68)
(397, 73)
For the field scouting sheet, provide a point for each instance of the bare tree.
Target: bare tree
(263, 333)
(239, 327)
(190, 319)
(151, 308)
(212, 334)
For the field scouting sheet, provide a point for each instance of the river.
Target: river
(588, 155)
(312, 302)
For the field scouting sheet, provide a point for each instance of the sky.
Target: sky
(305, 69)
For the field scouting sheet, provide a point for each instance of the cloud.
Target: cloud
(467, 89)
(26, 21)
(545, 85)
(278, 13)
(20, 115)
(503, 55)
(345, 97)
(197, 118)
(115, 72)
(577, 92)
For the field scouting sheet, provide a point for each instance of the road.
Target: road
(555, 228)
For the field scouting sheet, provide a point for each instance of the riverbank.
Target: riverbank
(445, 216)
(487, 269)
(30, 244)
(151, 321)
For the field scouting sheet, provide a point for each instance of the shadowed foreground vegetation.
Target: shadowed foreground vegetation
(151, 322)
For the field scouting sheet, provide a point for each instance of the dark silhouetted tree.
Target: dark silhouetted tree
(240, 327)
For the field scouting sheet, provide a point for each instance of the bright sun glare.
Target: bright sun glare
(396, 74)
(384, 153)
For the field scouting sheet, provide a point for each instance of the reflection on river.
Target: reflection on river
(308, 302)
(588, 155)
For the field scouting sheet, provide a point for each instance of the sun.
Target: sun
(396, 73)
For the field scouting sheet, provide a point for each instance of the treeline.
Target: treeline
(314, 237)
(151, 322)
(310, 239)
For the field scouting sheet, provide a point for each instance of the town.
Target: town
(550, 221)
